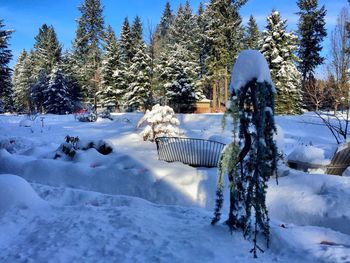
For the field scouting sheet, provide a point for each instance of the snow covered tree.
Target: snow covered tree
(203, 47)
(47, 49)
(250, 166)
(87, 47)
(176, 79)
(278, 46)
(111, 61)
(161, 34)
(252, 34)
(161, 121)
(6, 90)
(136, 36)
(57, 94)
(311, 31)
(68, 66)
(165, 22)
(37, 90)
(125, 43)
(224, 35)
(23, 80)
(138, 96)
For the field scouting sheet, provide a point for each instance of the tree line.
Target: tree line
(187, 57)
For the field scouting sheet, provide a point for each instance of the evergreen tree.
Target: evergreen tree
(110, 63)
(68, 67)
(252, 160)
(136, 36)
(126, 43)
(252, 35)
(138, 96)
(37, 90)
(6, 91)
(47, 49)
(87, 48)
(224, 35)
(312, 31)
(176, 79)
(184, 35)
(58, 99)
(165, 22)
(278, 47)
(23, 81)
(203, 47)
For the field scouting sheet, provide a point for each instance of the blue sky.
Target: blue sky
(26, 16)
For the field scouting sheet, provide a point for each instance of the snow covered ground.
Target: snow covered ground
(129, 207)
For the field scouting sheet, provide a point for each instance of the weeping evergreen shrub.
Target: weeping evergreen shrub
(250, 160)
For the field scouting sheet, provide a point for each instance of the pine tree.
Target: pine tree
(278, 47)
(136, 36)
(312, 31)
(165, 22)
(138, 96)
(58, 99)
(224, 35)
(87, 48)
(37, 90)
(68, 67)
(252, 35)
(6, 91)
(184, 34)
(203, 47)
(47, 53)
(125, 43)
(47, 49)
(23, 81)
(110, 63)
(176, 79)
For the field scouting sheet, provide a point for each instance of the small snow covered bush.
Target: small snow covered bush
(73, 144)
(87, 117)
(161, 121)
(106, 114)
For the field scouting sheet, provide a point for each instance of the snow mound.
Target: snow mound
(17, 192)
(304, 199)
(26, 123)
(16, 144)
(309, 154)
(250, 64)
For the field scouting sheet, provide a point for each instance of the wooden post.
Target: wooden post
(226, 90)
(214, 96)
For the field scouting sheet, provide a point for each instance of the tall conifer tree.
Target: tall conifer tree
(6, 90)
(87, 47)
(109, 94)
(126, 43)
(312, 31)
(252, 34)
(278, 47)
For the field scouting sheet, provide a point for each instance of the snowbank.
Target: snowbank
(304, 199)
(309, 154)
(16, 192)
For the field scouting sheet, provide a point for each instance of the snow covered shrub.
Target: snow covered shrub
(16, 144)
(161, 121)
(106, 114)
(67, 148)
(86, 115)
(251, 158)
(72, 144)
